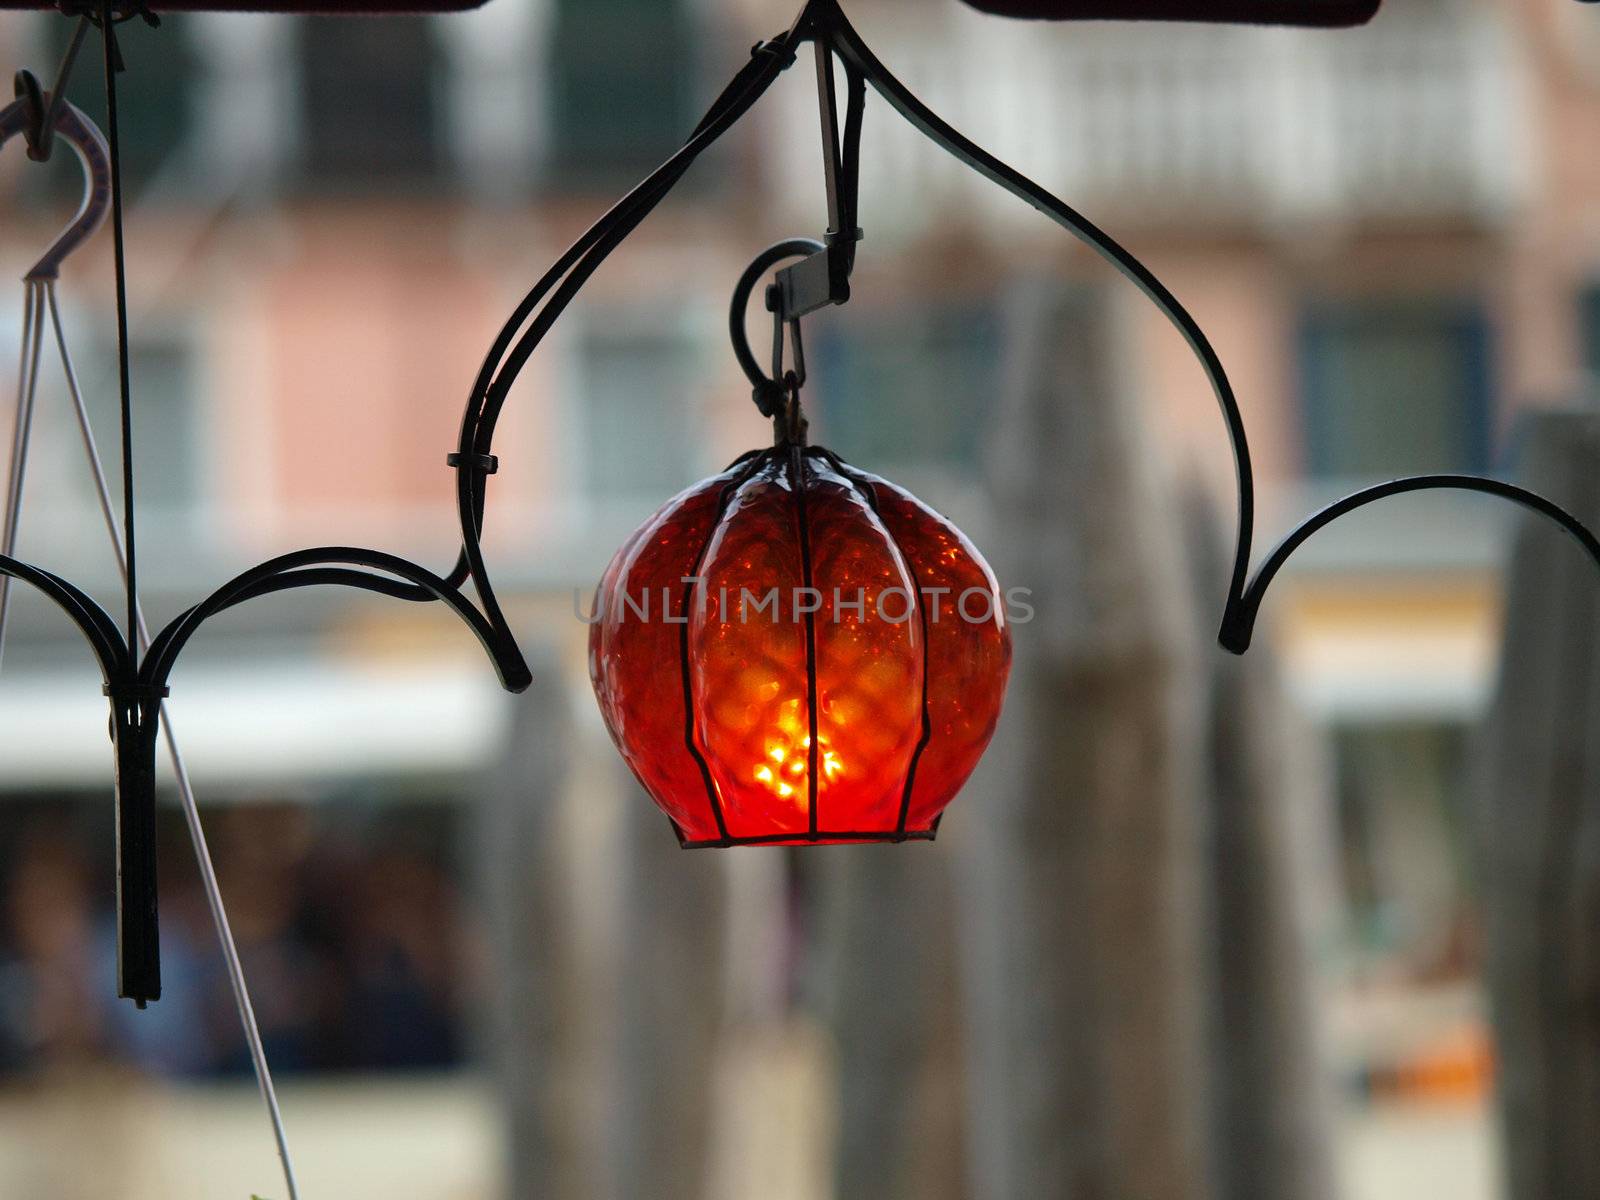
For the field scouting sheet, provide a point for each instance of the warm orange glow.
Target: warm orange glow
(901, 700)
(793, 762)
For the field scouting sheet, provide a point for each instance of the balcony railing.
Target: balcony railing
(1410, 118)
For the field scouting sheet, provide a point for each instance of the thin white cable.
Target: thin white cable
(191, 811)
(21, 437)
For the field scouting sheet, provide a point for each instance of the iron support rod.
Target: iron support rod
(113, 63)
(180, 770)
(21, 436)
(828, 112)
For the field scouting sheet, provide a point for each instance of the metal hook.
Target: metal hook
(768, 393)
(796, 345)
(89, 144)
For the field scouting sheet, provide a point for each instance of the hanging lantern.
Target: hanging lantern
(794, 651)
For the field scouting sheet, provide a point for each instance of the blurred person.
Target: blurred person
(405, 991)
(73, 1116)
(50, 1009)
(261, 855)
(174, 1038)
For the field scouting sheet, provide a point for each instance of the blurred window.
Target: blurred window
(166, 442)
(371, 115)
(637, 423)
(165, 431)
(907, 388)
(1395, 387)
(621, 78)
(155, 95)
(1590, 316)
(1404, 835)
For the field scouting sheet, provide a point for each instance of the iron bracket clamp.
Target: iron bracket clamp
(135, 731)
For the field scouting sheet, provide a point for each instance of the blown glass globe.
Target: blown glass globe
(798, 652)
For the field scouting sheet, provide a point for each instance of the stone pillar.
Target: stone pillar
(1083, 938)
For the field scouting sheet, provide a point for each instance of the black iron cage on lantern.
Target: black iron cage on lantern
(136, 675)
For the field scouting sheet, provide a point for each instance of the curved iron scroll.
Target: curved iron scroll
(1245, 593)
(1236, 636)
(473, 459)
(824, 22)
(96, 625)
(309, 568)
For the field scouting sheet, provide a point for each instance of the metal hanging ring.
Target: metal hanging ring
(767, 391)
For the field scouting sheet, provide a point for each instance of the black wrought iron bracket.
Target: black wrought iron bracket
(134, 683)
(823, 277)
(824, 23)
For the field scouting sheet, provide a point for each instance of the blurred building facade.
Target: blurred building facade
(1392, 236)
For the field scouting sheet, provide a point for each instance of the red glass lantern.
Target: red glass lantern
(796, 652)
